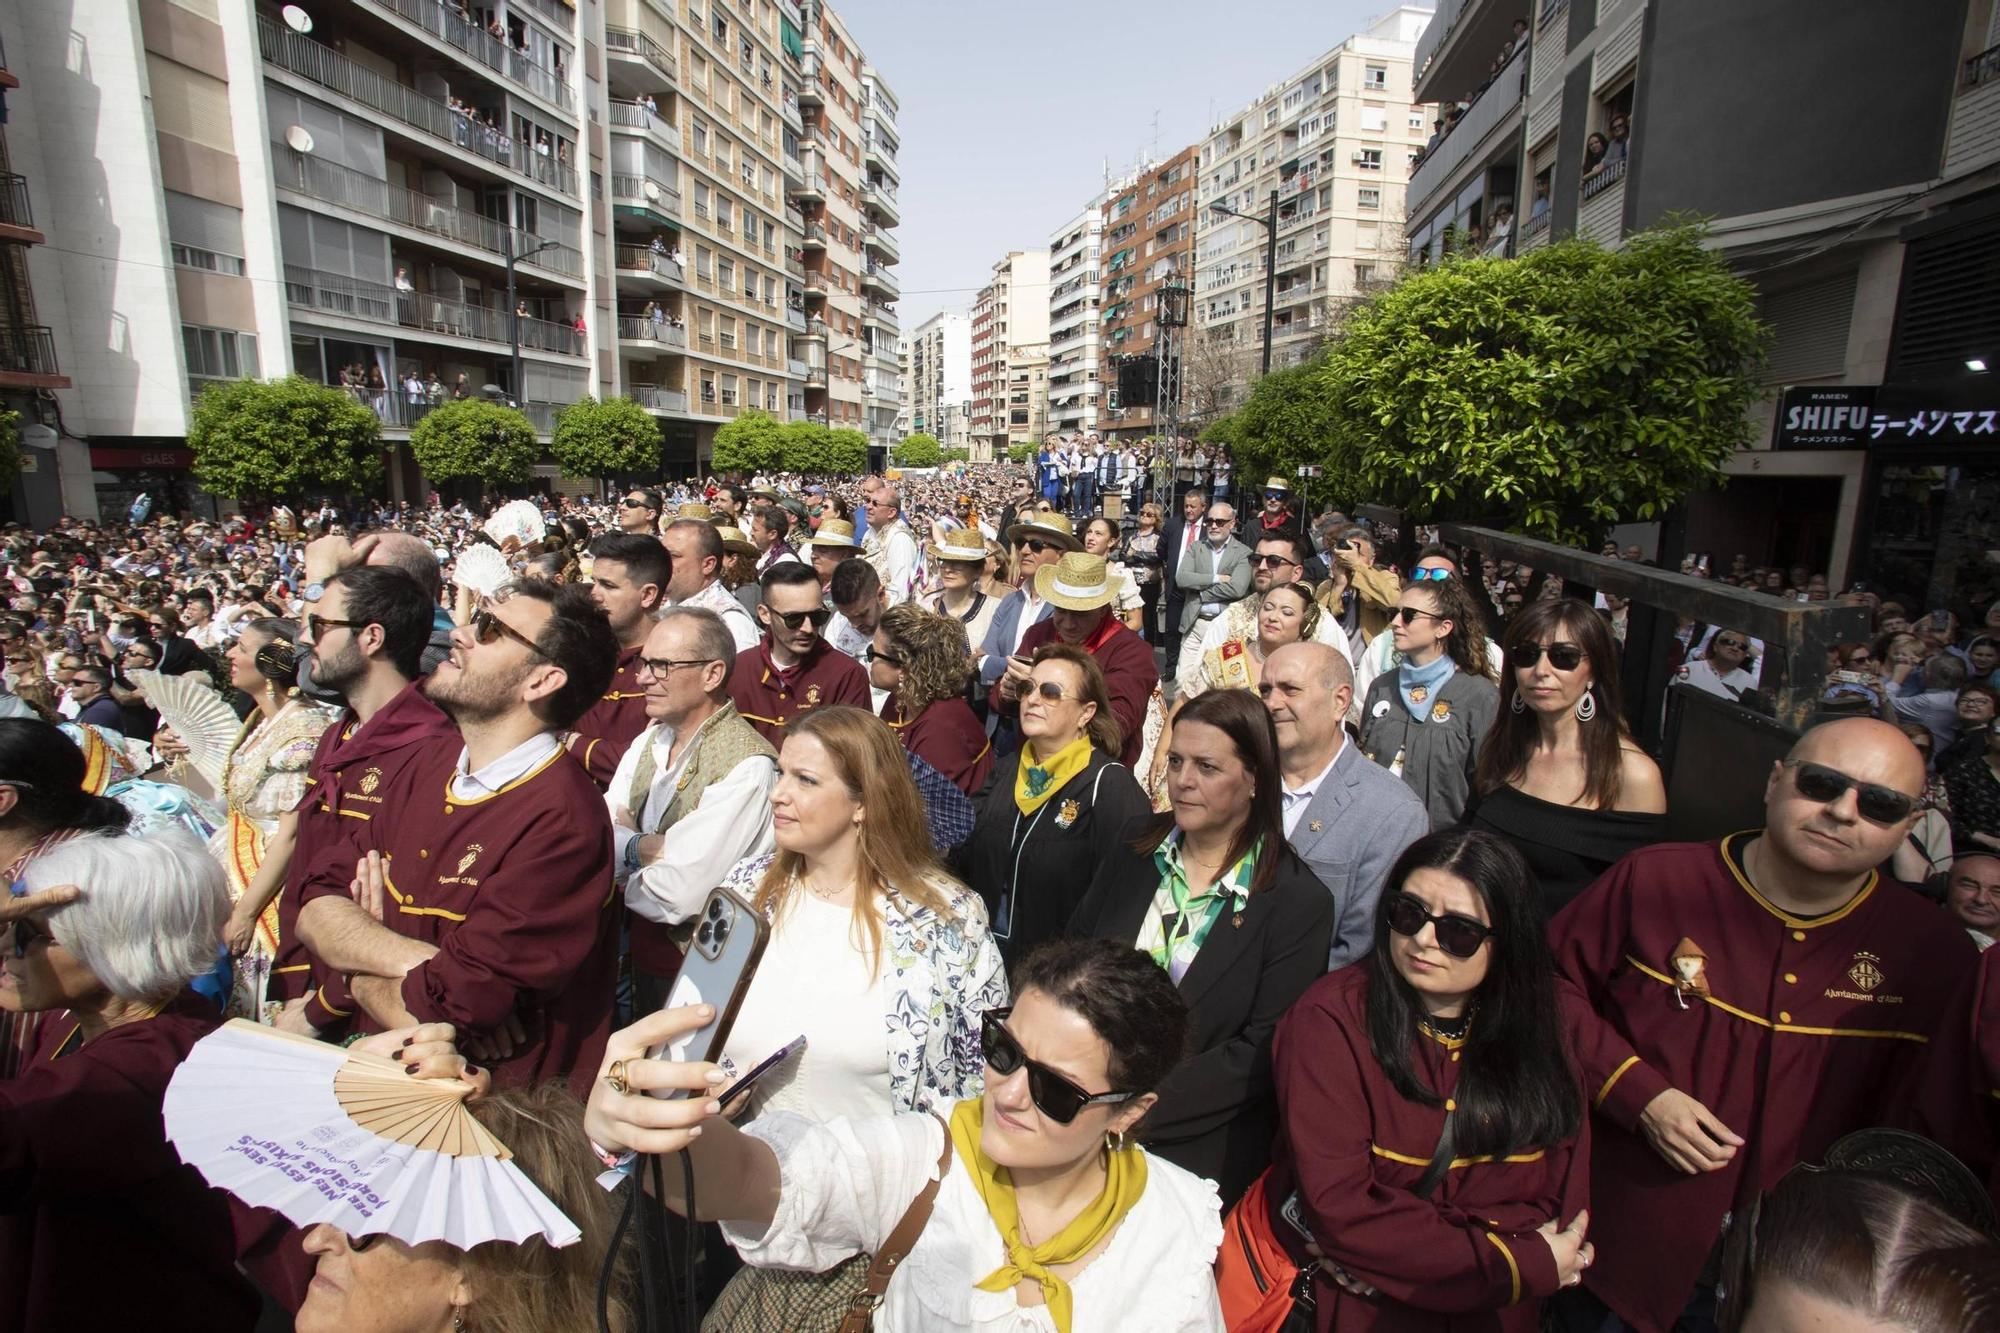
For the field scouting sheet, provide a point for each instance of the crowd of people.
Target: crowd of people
(1177, 917)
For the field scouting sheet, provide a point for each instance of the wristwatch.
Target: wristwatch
(315, 590)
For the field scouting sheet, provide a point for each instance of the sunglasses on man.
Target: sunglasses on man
(487, 628)
(1875, 803)
(791, 620)
(1053, 1095)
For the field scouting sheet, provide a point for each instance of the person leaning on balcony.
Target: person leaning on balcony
(1594, 149)
(1621, 138)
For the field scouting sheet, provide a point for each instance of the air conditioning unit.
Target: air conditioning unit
(1357, 156)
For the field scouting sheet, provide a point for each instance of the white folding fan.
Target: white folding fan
(327, 1135)
(519, 519)
(480, 570)
(203, 719)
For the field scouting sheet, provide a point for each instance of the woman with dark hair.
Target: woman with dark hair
(1433, 1143)
(1052, 816)
(1559, 776)
(921, 659)
(1424, 721)
(1213, 892)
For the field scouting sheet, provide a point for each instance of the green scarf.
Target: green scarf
(1035, 781)
(1124, 1182)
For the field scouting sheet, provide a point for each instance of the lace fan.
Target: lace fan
(480, 569)
(203, 719)
(519, 519)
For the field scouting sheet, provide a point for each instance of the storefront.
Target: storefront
(161, 471)
(1931, 532)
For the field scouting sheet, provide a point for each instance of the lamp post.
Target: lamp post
(1173, 317)
(514, 303)
(1270, 221)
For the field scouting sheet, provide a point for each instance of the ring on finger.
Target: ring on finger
(615, 1076)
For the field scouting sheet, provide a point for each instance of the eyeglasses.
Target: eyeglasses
(1038, 546)
(660, 667)
(819, 615)
(1274, 495)
(487, 628)
(1409, 614)
(629, 503)
(875, 655)
(1274, 561)
(28, 931)
(1430, 575)
(1053, 692)
(1220, 522)
(1562, 656)
(1876, 804)
(1054, 1096)
(316, 624)
(1737, 644)
(1459, 936)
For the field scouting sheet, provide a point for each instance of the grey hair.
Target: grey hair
(151, 915)
(712, 638)
(1944, 672)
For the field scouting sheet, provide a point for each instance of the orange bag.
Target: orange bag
(1261, 1285)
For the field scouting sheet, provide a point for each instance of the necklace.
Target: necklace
(822, 894)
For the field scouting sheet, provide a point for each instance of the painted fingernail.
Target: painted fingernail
(409, 1041)
(396, 1055)
(409, 1069)
(472, 1070)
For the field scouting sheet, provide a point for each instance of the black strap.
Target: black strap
(1440, 1163)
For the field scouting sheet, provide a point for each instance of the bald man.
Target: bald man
(1755, 999)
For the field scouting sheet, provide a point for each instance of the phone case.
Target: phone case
(721, 959)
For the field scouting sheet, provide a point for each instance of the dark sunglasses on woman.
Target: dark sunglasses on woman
(1459, 936)
(1054, 1096)
(1562, 656)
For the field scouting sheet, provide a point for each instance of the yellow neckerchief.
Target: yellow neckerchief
(1035, 782)
(1124, 1182)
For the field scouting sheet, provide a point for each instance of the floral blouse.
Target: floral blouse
(267, 768)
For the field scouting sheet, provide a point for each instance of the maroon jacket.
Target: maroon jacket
(948, 737)
(770, 696)
(1957, 1101)
(1129, 674)
(605, 732)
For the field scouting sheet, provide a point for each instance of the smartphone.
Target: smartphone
(722, 957)
(1294, 1215)
(764, 1066)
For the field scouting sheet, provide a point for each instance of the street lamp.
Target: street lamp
(1270, 221)
(514, 304)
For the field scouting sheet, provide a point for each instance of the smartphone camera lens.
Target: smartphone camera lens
(721, 931)
(706, 935)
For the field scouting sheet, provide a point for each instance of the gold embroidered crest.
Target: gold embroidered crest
(1067, 815)
(1866, 972)
(812, 696)
(370, 781)
(472, 852)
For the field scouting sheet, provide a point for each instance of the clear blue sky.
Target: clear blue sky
(1010, 112)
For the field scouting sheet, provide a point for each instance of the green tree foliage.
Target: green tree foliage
(846, 451)
(1020, 453)
(277, 439)
(613, 438)
(802, 446)
(954, 455)
(1564, 391)
(489, 442)
(10, 446)
(752, 442)
(920, 450)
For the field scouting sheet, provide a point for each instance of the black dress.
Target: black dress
(1566, 846)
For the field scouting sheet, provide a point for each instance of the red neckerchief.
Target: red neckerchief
(1101, 634)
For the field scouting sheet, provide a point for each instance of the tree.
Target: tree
(276, 439)
(846, 451)
(613, 438)
(954, 455)
(472, 437)
(1020, 453)
(802, 446)
(752, 442)
(1568, 390)
(10, 446)
(920, 450)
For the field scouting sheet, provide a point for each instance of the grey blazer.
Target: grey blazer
(1350, 834)
(1201, 578)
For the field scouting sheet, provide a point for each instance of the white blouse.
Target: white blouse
(846, 1183)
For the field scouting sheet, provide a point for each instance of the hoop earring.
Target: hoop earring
(1519, 705)
(1114, 1142)
(1586, 707)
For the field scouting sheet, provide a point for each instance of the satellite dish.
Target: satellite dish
(300, 139)
(297, 19)
(653, 190)
(38, 436)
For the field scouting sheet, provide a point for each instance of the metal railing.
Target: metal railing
(328, 68)
(658, 399)
(796, 318)
(639, 328)
(1595, 185)
(15, 210)
(811, 182)
(642, 45)
(635, 116)
(343, 187)
(1982, 68)
(28, 349)
(795, 265)
(663, 198)
(815, 281)
(378, 303)
(445, 25)
(645, 257)
(1496, 103)
(877, 276)
(813, 232)
(562, 15)
(795, 368)
(816, 376)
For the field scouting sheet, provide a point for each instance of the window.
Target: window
(707, 387)
(727, 325)
(219, 353)
(725, 214)
(725, 273)
(700, 138)
(1369, 159)
(1375, 78)
(1374, 118)
(704, 323)
(1364, 274)
(1369, 196)
(187, 256)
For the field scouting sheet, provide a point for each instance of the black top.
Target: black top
(1567, 847)
(1218, 1110)
(1032, 870)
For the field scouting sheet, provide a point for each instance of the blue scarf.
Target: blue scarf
(1430, 679)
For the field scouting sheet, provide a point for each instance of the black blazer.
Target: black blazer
(1171, 538)
(1218, 1111)
(1033, 872)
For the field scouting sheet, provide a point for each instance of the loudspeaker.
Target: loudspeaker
(1138, 381)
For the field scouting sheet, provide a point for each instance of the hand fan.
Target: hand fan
(203, 720)
(327, 1135)
(480, 570)
(519, 519)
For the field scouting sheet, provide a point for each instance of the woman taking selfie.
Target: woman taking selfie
(1432, 1146)
(1425, 719)
(1047, 1217)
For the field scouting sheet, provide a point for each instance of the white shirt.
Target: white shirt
(846, 1183)
(1298, 798)
(1031, 615)
(840, 632)
(714, 597)
(731, 821)
(469, 784)
(899, 561)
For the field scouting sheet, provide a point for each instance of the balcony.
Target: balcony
(816, 284)
(656, 399)
(17, 217)
(28, 358)
(647, 199)
(879, 198)
(1491, 125)
(635, 47)
(328, 69)
(877, 153)
(795, 263)
(810, 185)
(488, 50)
(815, 377)
(883, 281)
(796, 318)
(562, 13)
(642, 329)
(1458, 46)
(647, 262)
(788, 106)
(794, 168)
(880, 241)
(424, 313)
(879, 318)
(813, 236)
(795, 368)
(1601, 215)
(344, 188)
(634, 116)
(809, 72)
(815, 330)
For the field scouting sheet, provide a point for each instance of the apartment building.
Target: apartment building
(1149, 226)
(937, 378)
(1010, 330)
(1329, 149)
(1075, 300)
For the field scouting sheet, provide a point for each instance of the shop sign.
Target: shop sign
(108, 456)
(1825, 416)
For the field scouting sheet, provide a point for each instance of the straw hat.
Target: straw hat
(1277, 484)
(734, 541)
(1077, 582)
(1050, 527)
(964, 544)
(700, 511)
(836, 532)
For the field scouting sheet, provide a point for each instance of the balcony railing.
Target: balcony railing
(650, 260)
(14, 207)
(328, 68)
(635, 116)
(880, 277)
(794, 264)
(661, 197)
(426, 312)
(445, 25)
(1500, 101)
(1595, 185)
(1982, 68)
(658, 399)
(811, 183)
(343, 187)
(796, 318)
(640, 328)
(558, 12)
(816, 376)
(631, 41)
(28, 349)
(795, 368)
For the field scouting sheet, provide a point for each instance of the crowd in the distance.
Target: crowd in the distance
(1175, 917)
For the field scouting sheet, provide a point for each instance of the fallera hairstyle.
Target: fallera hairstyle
(1860, 1242)
(1128, 999)
(46, 771)
(151, 911)
(384, 595)
(1516, 1086)
(707, 541)
(934, 650)
(774, 518)
(854, 580)
(1309, 617)
(533, 1286)
(713, 641)
(1503, 756)
(896, 851)
(788, 574)
(1466, 644)
(645, 559)
(577, 638)
(1103, 729)
(1241, 716)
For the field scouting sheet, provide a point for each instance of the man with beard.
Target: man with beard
(794, 669)
(629, 574)
(364, 640)
(486, 902)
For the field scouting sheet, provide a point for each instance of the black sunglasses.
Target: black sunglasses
(316, 624)
(1562, 656)
(1877, 804)
(29, 931)
(1038, 546)
(819, 615)
(487, 627)
(1054, 1096)
(629, 503)
(1409, 614)
(876, 655)
(1275, 561)
(1459, 936)
(1048, 689)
